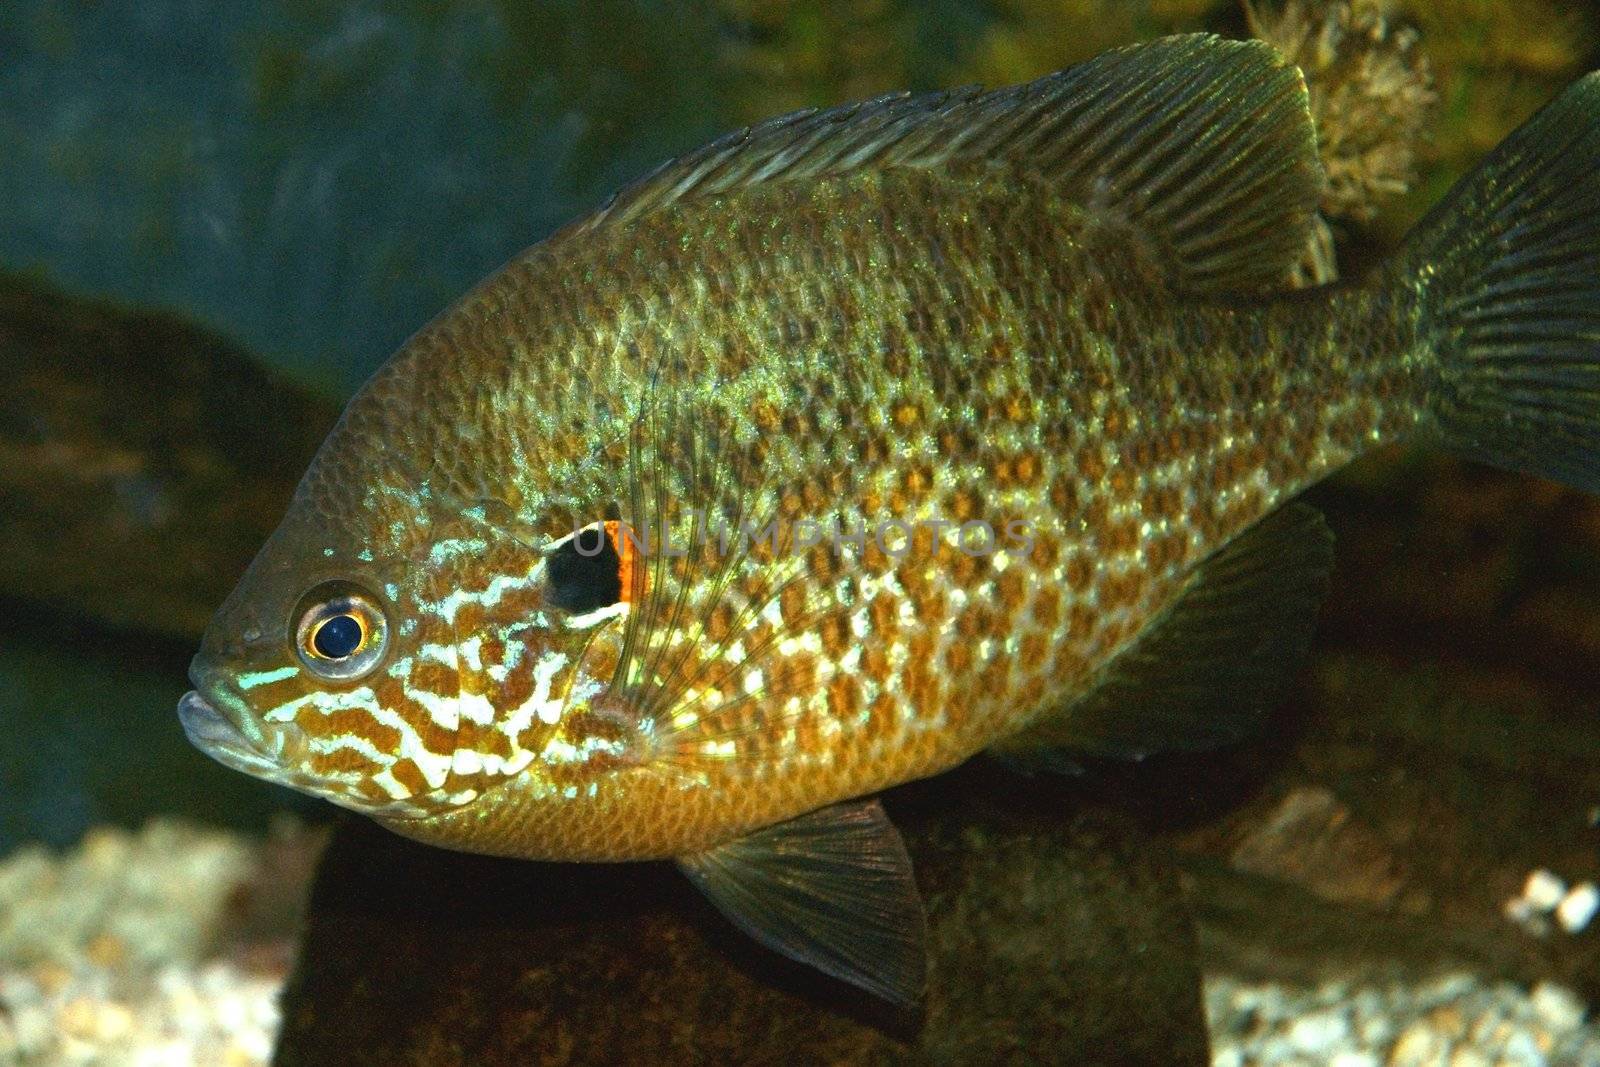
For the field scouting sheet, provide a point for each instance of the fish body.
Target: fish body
(865, 441)
(887, 387)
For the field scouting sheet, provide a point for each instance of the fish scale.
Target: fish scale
(1181, 424)
(659, 543)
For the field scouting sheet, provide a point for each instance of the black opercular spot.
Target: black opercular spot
(337, 638)
(585, 573)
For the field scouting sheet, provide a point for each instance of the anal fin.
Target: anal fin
(832, 889)
(1205, 672)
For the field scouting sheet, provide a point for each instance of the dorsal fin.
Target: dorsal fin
(1204, 147)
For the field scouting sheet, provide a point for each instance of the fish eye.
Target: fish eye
(590, 569)
(339, 631)
(338, 637)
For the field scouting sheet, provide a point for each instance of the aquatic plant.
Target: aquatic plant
(1029, 38)
(790, 54)
(1371, 96)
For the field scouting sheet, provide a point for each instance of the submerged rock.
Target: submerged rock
(1053, 938)
(142, 461)
(1312, 840)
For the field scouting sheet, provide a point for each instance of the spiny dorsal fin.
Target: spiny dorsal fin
(1205, 673)
(832, 889)
(1204, 147)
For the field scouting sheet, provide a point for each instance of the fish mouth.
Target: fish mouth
(220, 737)
(219, 724)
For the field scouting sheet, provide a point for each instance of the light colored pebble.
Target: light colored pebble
(1543, 890)
(1354, 1059)
(1447, 1020)
(1319, 1031)
(1457, 1020)
(1419, 1046)
(1559, 1008)
(1578, 907)
(1522, 1048)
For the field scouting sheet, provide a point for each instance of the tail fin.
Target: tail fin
(1507, 271)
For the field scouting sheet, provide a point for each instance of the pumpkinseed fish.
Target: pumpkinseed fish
(865, 440)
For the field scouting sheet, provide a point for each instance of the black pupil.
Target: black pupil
(338, 637)
(585, 573)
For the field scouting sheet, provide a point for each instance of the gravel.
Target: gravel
(1453, 1021)
(147, 948)
(170, 945)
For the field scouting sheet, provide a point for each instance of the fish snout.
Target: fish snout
(228, 738)
(208, 729)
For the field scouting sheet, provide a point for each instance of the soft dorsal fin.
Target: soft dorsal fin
(1205, 672)
(1203, 147)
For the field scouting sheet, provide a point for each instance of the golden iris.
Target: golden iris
(340, 631)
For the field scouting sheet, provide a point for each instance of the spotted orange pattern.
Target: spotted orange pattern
(911, 454)
(1080, 436)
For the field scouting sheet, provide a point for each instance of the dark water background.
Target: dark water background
(311, 182)
(315, 179)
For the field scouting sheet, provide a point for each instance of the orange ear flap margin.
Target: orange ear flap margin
(627, 549)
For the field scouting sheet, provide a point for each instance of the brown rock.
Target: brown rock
(1312, 840)
(1053, 940)
(142, 461)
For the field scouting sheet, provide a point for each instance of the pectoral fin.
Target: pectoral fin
(1204, 673)
(832, 889)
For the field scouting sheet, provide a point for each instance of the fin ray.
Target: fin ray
(1204, 673)
(1203, 146)
(1505, 269)
(703, 704)
(832, 889)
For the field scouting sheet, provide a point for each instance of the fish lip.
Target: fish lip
(218, 736)
(207, 727)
